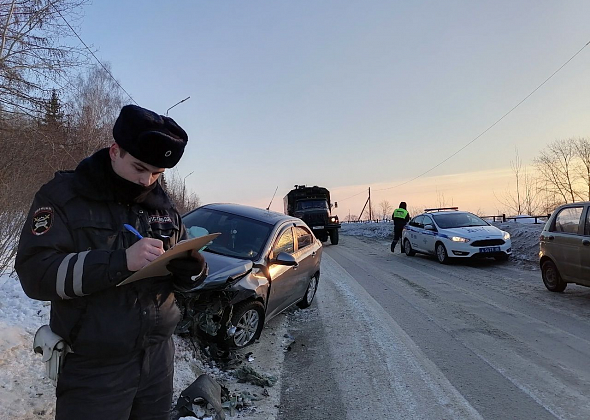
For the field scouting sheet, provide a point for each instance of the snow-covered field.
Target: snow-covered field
(26, 394)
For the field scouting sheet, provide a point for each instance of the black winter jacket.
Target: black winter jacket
(72, 253)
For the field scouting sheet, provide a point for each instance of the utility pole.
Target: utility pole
(370, 211)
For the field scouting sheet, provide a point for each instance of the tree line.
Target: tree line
(55, 109)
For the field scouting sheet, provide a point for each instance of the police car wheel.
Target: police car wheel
(441, 254)
(408, 248)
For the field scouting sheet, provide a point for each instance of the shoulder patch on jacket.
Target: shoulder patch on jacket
(42, 220)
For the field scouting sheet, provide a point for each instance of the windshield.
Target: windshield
(456, 220)
(240, 237)
(311, 204)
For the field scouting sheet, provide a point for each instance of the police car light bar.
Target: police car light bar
(442, 208)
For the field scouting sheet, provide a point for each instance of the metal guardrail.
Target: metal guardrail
(496, 218)
(503, 218)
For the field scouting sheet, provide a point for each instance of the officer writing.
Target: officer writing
(74, 250)
(400, 218)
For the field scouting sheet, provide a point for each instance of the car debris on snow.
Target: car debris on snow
(248, 374)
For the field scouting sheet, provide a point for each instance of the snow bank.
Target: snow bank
(25, 393)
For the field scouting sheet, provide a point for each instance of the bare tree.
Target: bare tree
(175, 186)
(96, 102)
(582, 149)
(415, 210)
(441, 201)
(33, 55)
(526, 197)
(351, 218)
(385, 209)
(557, 165)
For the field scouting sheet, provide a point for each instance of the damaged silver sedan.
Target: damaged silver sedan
(262, 263)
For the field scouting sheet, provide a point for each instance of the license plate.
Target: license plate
(317, 227)
(490, 249)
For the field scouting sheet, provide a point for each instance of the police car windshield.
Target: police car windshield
(311, 204)
(240, 237)
(457, 220)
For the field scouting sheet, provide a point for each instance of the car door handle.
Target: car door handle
(586, 242)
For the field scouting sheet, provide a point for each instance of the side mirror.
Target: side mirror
(285, 259)
(429, 227)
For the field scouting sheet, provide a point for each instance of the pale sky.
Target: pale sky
(349, 94)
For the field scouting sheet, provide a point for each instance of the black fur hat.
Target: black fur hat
(149, 137)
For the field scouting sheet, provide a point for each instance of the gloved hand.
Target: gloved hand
(188, 273)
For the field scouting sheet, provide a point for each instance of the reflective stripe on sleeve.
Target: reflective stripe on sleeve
(62, 272)
(78, 273)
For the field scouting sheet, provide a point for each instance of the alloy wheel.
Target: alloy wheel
(246, 327)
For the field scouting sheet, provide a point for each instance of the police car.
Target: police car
(449, 233)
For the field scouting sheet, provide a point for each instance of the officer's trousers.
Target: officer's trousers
(135, 387)
(397, 234)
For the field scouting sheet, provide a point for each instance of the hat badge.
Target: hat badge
(168, 153)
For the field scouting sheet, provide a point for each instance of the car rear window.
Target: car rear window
(568, 220)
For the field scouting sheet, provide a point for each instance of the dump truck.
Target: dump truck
(313, 206)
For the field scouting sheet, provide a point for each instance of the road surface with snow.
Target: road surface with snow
(397, 337)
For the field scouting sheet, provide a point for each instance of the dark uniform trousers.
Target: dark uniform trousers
(397, 235)
(142, 380)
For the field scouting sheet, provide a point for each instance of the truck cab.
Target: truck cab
(313, 206)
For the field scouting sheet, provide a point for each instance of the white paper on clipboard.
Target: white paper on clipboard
(158, 266)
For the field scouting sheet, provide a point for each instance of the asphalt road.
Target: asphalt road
(397, 337)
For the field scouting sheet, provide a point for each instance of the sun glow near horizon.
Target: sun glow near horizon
(479, 192)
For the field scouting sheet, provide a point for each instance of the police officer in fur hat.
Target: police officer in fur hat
(74, 250)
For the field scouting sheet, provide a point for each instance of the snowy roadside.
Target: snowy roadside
(26, 394)
(525, 237)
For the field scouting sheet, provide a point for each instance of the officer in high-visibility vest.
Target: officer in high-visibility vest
(400, 218)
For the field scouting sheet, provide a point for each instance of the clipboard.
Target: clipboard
(158, 266)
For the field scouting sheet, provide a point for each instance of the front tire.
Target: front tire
(334, 237)
(441, 254)
(551, 277)
(312, 287)
(408, 248)
(248, 319)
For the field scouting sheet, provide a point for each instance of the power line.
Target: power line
(90, 51)
(491, 126)
(362, 192)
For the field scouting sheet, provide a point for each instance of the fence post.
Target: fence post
(503, 217)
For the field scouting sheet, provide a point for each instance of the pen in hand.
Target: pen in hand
(133, 230)
(142, 252)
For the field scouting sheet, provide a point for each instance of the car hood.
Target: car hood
(475, 232)
(222, 267)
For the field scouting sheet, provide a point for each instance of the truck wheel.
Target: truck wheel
(334, 237)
